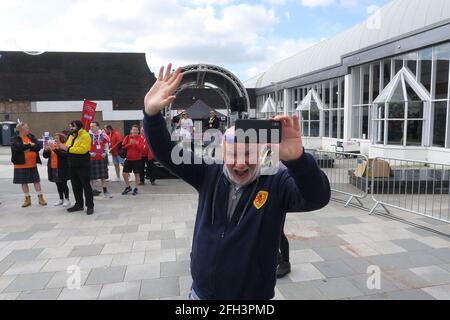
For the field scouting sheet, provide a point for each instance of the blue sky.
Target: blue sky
(243, 36)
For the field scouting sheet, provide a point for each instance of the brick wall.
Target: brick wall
(14, 107)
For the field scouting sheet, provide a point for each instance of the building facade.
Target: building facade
(381, 87)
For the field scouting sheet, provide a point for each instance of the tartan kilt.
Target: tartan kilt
(24, 176)
(99, 169)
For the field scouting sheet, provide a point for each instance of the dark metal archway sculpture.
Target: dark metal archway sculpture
(219, 79)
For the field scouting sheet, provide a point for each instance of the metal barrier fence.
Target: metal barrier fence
(414, 186)
(340, 169)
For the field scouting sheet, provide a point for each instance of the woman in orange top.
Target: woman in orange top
(25, 157)
(58, 168)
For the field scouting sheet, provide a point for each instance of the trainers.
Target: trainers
(75, 208)
(126, 191)
(96, 193)
(135, 192)
(66, 203)
(283, 269)
(116, 180)
(90, 211)
(58, 203)
(107, 195)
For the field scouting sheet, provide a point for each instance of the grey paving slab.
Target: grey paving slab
(439, 292)
(442, 254)
(60, 264)
(337, 288)
(174, 243)
(132, 258)
(121, 291)
(365, 284)
(42, 227)
(415, 294)
(9, 296)
(26, 282)
(411, 245)
(143, 272)
(63, 279)
(160, 288)
(434, 275)
(23, 255)
(161, 235)
(23, 267)
(332, 253)
(106, 275)
(125, 229)
(405, 260)
(12, 236)
(301, 291)
(172, 269)
(5, 281)
(358, 265)
(405, 279)
(5, 265)
(84, 251)
(47, 294)
(92, 262)
(84, 293)
(334, 268)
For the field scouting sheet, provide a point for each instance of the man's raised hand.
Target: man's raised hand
(291, 146)
(161, 93)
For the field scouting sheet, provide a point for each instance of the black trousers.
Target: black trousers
(283, 254)
(63, 190)
(80, 177)
(148, 169)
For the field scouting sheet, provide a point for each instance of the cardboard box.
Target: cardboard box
(381, 168)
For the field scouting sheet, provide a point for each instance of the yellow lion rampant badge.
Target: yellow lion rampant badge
(260, 199)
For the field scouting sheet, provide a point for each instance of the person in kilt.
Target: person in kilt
(58, 169)
(25, 157)
(99, 158)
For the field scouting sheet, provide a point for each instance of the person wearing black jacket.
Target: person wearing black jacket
(240, 213)
(58, 169)
(25, 157)
(213, 121)
(77, 147)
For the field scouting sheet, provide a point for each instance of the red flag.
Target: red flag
(88, 114)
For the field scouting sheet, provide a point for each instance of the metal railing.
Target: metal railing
(418, 187)
(340, 169)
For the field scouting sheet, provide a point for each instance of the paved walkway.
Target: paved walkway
(138, 248)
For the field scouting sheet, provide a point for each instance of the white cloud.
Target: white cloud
(212, 2)
(316, 3)
(276, 51)
(233, 34)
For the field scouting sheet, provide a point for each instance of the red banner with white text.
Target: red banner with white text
(88, 114)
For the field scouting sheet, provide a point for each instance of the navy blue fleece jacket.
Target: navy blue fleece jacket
(237, 259)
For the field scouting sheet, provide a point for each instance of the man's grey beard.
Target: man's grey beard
(255, 175)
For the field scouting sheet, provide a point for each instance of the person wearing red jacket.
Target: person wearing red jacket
(147, 170)
(133, 144)
(115, 139)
